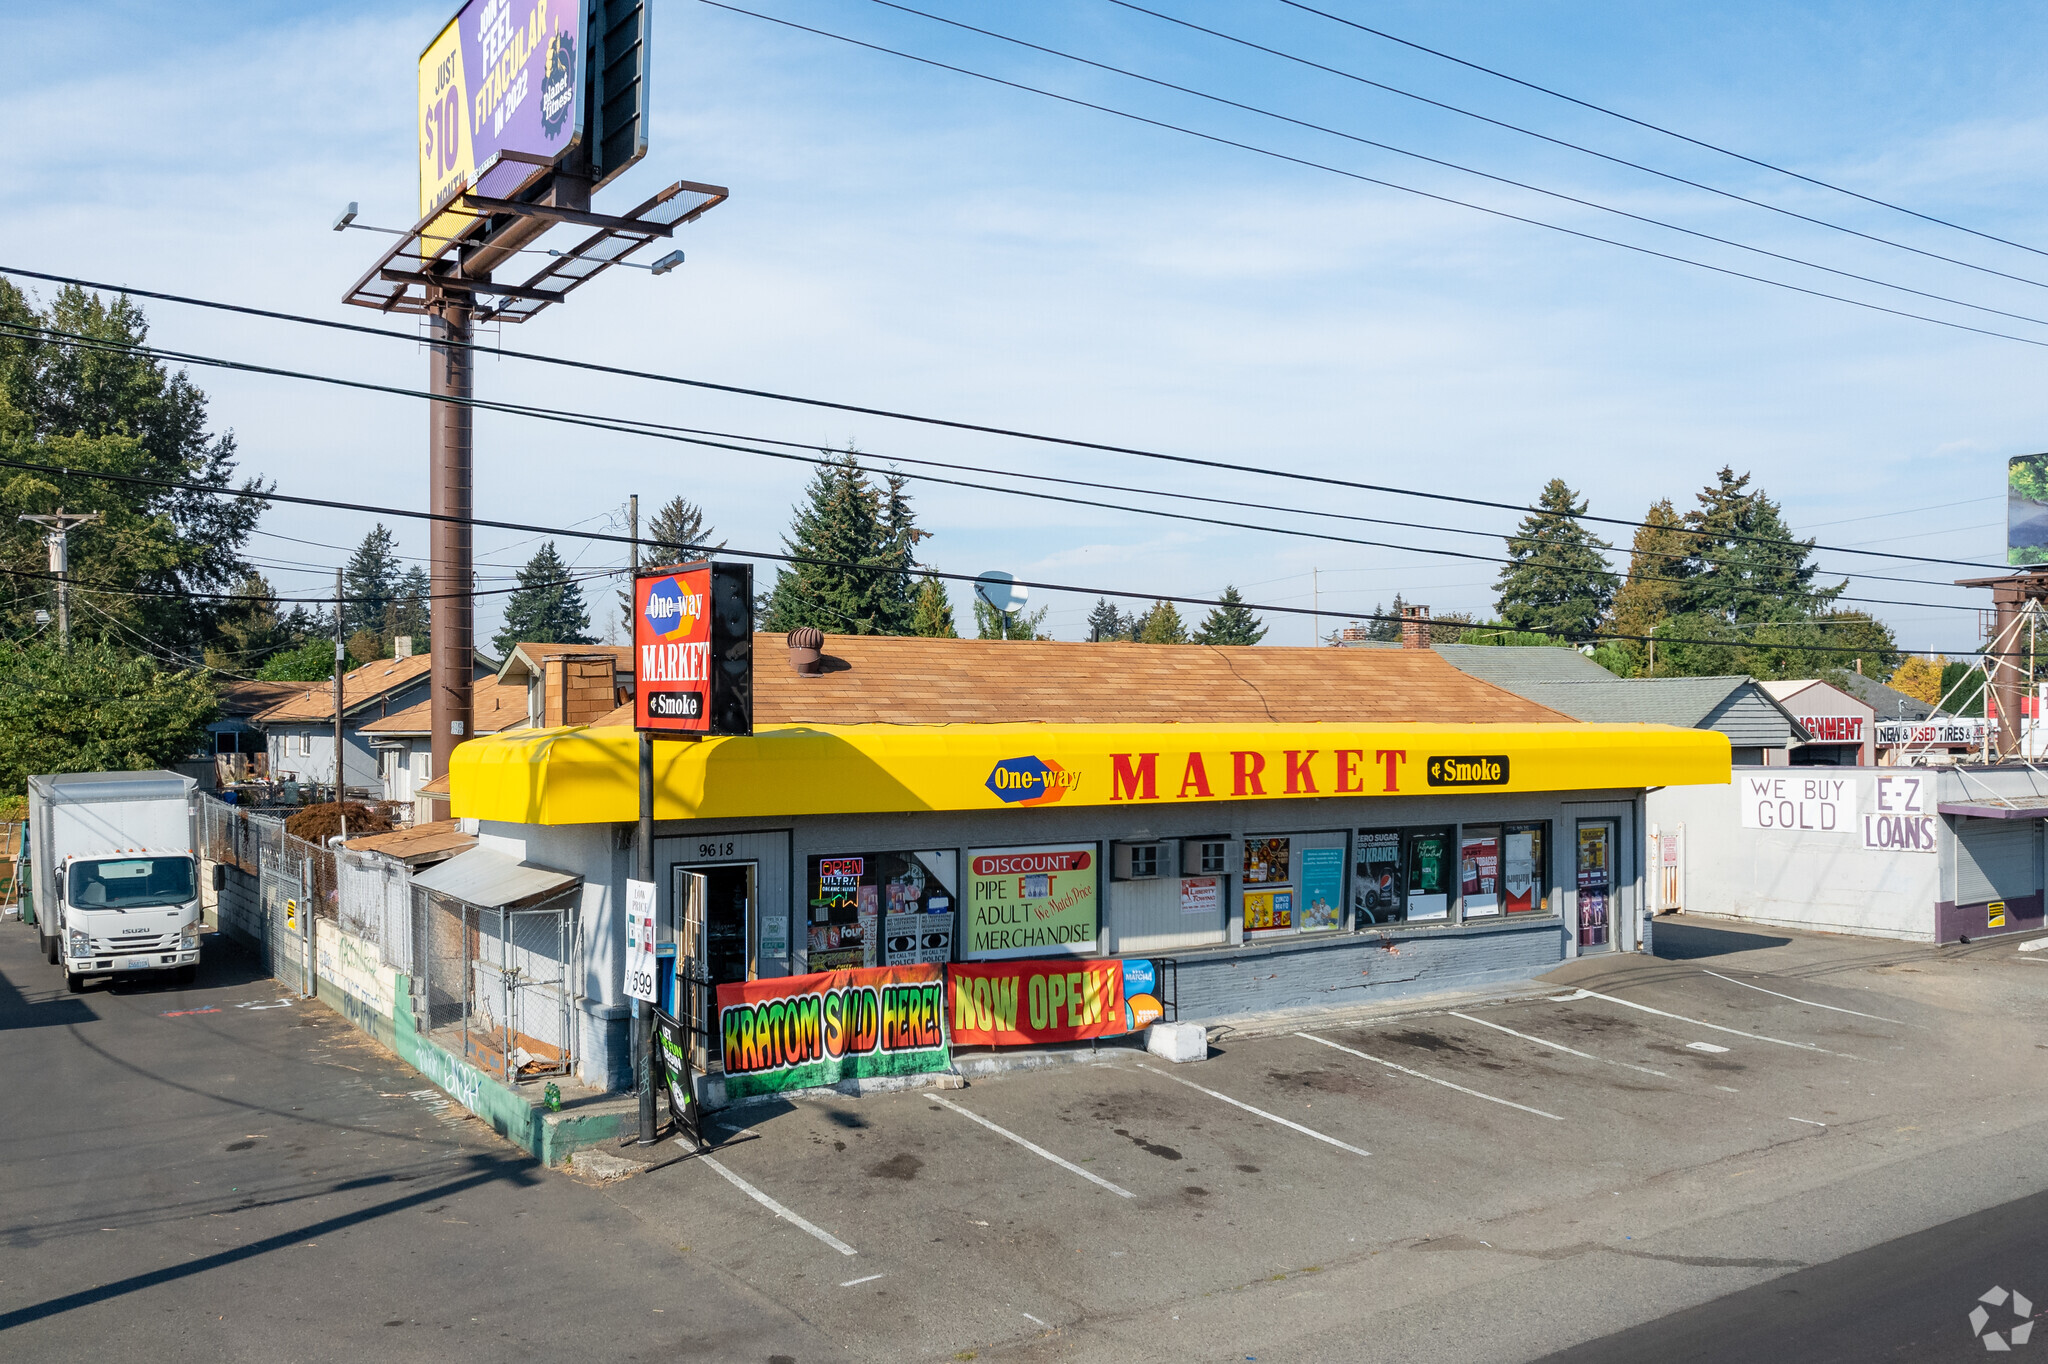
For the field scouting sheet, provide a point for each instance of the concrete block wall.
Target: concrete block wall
(1304, 973)
(240, 907)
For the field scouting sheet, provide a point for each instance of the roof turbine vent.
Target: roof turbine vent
(807, 650)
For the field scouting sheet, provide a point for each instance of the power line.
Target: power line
(657, 431)
(946, 423)
(1657, 128)
(1383, 183)
(1578, 147)
(1469, 170)
(912, 570)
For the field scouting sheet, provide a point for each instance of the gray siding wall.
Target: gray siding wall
(1750, 720)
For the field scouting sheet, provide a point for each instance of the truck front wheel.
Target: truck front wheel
(74, 982)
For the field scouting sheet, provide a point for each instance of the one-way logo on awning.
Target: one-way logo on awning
(1487, 771)
(1031, 781)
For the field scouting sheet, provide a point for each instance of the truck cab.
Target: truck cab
(137, 911)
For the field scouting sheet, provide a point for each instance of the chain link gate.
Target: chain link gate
(287, 919)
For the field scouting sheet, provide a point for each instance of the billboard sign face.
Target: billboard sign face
(693, 635)
(503, 76)
(2026, 510)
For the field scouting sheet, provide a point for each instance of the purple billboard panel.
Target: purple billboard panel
(502, 76)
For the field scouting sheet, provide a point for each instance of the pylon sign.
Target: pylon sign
(693, 650)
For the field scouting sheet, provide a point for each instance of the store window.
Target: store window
(1428, 892)
(1032, 902)
(1479, 871)
(1379, 883)
(1525, 865)
(1293, 884)
(881, 909)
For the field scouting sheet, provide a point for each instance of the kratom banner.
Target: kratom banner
(800, 1032)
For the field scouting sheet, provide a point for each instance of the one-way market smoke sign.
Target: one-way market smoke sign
(804, 1032)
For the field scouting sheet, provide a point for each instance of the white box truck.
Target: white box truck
(116, 876)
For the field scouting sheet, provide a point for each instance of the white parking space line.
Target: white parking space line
(1557, 1046)
(1811, 1004)
(1033, 1147)
(1269, 1117)
(1492, 1099)
(1681, 1018)
(867, 1278)
(1808, 1121)
(784, 1213)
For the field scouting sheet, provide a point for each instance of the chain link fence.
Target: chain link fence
(491, 984)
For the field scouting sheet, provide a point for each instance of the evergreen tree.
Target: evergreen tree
(251, 629)
(1107, 625)
(547, 607)
(1386, 622)
(1744, 563)
(370, 579)
(1231, 623)
(1556, 579)
(932, 615)
(412, 614)
(310, 660)
(990, 623)
(854, 543)
(1657, 559)
(112, 411)
(1162, 625)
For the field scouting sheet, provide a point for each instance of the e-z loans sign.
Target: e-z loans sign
(1812, 804)
(1900, 823)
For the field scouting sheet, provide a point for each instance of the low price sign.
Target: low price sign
(640, 961)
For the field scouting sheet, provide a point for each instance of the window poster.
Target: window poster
(1268, 911)
(1479, 872)
(881, 909)
(1267, 861)
(1378, 888)
(1031, 902)
(1322, 888)
(1202, 895)
(1521, 872)
(1596, 884)
(1429, 875)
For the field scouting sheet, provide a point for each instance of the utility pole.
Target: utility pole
(451, 493)
(1315, 590)
(340, 662)
(60, 524)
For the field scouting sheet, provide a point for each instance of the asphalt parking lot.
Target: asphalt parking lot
(1628, 1140)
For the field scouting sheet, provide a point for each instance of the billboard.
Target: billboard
(2026, 510)
(501, 76)
(693, 650)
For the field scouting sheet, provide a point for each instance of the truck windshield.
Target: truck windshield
(132, 883)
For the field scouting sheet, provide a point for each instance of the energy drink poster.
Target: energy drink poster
(1379, 890)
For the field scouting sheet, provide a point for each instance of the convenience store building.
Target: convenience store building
(1292, 827)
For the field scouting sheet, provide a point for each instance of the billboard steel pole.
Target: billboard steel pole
(451, 372)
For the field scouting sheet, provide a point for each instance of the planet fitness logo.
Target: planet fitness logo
(558, 85)
(670, 612)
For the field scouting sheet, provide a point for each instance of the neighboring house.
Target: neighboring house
(1760, 730)
(568, 684)
(235, 739)
(1843, 726)
(403, 740)
(1889, 703)
(300, 729)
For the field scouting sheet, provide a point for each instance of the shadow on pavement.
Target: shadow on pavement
(1676, 941)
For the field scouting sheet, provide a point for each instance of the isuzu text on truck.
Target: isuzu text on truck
(116, 875)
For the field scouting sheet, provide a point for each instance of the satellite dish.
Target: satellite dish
(1001, 592)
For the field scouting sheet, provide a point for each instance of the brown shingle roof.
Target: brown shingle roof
(524, 658)
(874, 679)
(315, 700)
(246, 697)
(493, 705)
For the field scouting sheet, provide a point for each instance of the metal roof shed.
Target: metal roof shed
(484, 876)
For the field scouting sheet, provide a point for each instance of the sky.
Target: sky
(907, 237)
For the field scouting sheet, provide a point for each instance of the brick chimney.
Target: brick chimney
(576, 688)
(1415, 627)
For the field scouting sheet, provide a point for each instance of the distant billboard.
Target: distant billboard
(2026, 510)
(502, 76)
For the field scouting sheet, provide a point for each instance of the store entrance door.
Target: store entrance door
(1595, 854)
(724, 952)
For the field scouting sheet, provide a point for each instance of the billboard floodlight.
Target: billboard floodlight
(348, 215)
(667, 263)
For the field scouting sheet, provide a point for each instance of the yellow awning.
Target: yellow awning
(583, 776)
